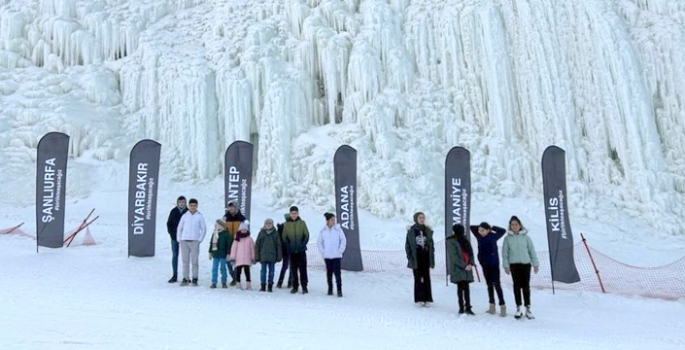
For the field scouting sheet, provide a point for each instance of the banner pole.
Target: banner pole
(599, 278)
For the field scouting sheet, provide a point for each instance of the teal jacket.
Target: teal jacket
(518, 248)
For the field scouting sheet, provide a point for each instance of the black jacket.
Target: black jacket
(174, 218)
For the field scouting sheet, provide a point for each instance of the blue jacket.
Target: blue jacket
(488, 254)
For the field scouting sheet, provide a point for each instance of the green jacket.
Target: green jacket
(268, 246)
(410, 247)
(518, 248)
(223, 245)
(457, 268)
(295, 235)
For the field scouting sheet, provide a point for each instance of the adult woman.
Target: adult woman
(420, 257)
(518, 254)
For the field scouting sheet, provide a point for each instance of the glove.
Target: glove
(506, 270)
(210, 256)
(536, 269)
(228, 257)
(468, 268)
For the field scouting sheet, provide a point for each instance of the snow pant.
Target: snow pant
(231, 269)
(422, 280)
(491, 274)
(268, 266)
(284, 269)
(333, 266)
(190, 251)
(239, 271)
(298, 265)
(464, 295)
(216, 264)
(520, 274)
(174, 257)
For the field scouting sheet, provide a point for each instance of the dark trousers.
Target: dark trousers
(174, 257)
(491, 274)
(240, 269)
(333, 268)
(464, 295)
(298, 266)
(520, 274)
(422, 281)
(284, 269)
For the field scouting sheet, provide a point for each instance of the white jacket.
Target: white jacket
(192, 227)
(332, 242)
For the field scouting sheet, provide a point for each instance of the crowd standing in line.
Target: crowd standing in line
(233, 251)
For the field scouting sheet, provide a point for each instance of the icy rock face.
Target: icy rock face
(402, 81)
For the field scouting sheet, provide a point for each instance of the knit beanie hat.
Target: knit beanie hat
(244, 226)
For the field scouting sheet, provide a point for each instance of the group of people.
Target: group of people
(233, 250)
(518, 257)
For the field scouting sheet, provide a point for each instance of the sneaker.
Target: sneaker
(185, 282)
(224, 285)
(173, 279)
(194, 282)
(529, 315)
(213, 286)
(518, 313)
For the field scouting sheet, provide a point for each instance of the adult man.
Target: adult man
(191, 231)
(332, 244)
(286, 256)
(296, 237)
(233, 217)
(172, 227)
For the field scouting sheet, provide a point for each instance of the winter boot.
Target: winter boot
(224, 285)
(233, 283)
(461, 310)
(469, 312)
(213, 286)
(239, 285)
(248, 285)
(330, 289)
(173, 279)
(305, 290)
(518, 313)
(290, 284)
(293, 290)
(185, 282)
(529, 315)
(262, 288)
(270, 288)
(492, 310)
(503, 310)
(339, 288)
(194, 282)
(279, 285)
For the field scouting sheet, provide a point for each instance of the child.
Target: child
(488, 257)
(242, 254)
(518, 254)
(332, 244)
(268, 252)
(219, 247)
(460, 256)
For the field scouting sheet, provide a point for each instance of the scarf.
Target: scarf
(215, 238)
(241, 234)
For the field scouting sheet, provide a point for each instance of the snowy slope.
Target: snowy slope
(406, 79)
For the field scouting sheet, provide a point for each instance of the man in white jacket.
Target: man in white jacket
(332, 244)
(191, 231)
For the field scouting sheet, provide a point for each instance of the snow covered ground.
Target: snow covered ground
(95, 297)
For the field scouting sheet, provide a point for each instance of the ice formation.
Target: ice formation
(402, 81)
